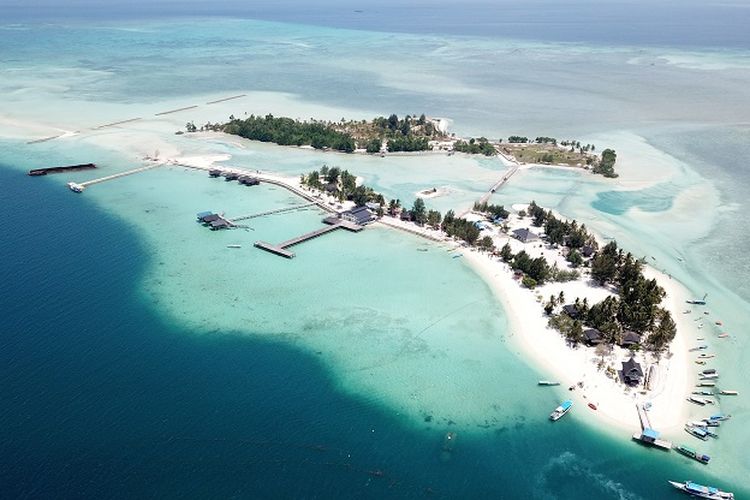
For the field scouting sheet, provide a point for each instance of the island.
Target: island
(411, 134)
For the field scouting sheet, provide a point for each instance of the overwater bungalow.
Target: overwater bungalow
(231, 176)
(208, 219)
(214, 172)
(219, 224)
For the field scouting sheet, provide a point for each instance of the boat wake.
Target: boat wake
(568, 468)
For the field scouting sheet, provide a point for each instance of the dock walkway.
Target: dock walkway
(499, 184)
(118, 175)
(281, 248)
(272, 212)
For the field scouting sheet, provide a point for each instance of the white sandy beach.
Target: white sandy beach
(616, 404)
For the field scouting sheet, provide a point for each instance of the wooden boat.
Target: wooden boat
(723, 335)
(706, 356)
(592, 406)
(691, 453)
(700, 362)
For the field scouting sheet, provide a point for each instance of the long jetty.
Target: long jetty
(175, 110)
(281, 248)
(272, 212)
(498, 184)
(226, 99)
(78, 187)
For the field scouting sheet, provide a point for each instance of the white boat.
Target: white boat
(699, 401)
(727, 392)
(547, 382)
(561, 410)
(76, 188)
(698, 432)
(700, 491)
(709, 376)
(234, 246)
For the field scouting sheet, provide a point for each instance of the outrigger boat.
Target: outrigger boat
(698, 432)
(561, 410)
(700, 491)
(691, 453)
(547, 383)
(698, 302)
(720, 417)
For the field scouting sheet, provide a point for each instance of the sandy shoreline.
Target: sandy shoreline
(548, 351)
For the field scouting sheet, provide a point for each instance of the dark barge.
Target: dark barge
(59, 170)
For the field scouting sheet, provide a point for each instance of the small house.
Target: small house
(406, 215)
(630, 338)
(592, 336)
(214, 172)
(231, 176)
(632, 373)
(571, 310)
(524, 235)
(587, 251)
(358, 215)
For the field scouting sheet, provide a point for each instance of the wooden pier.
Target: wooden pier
(226, 99)
(79, 187)
(272, 212)
(281, 248)
(498, 185)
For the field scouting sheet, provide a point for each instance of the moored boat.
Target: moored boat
(698, 490)
(706, 384)
(698, 401)
(547, 383)
(691, 453)
(720, 417)
(727, 392)
(698, 432)
(561, 410)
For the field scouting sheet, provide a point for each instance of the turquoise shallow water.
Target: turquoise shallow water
(212, 366)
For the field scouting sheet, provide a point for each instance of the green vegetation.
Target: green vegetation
(606, 165)
(407, 134)
(460, 228)
(493, 211)
(342, 185)
(418, 212)
(560, 232)
(289, 132)
(408, 143)
(475, 146)
(515, 139)
(545, 140)
(636, 308)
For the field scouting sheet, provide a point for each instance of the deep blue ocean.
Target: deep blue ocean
(101, 398)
